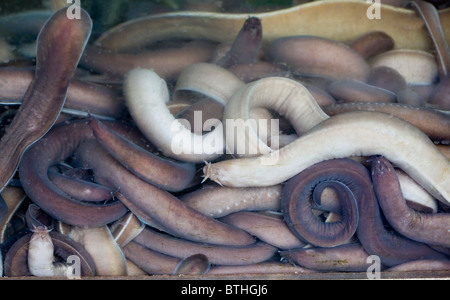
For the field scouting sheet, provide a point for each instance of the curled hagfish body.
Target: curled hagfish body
(217, 143)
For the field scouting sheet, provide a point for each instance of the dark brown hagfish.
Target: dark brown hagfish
(59, 47)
